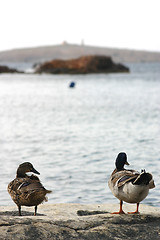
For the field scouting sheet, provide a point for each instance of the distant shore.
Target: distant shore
(68, 51)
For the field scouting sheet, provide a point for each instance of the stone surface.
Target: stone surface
(5, 69)
(82, 65)
(82, 222)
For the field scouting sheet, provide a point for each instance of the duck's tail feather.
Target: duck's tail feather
(151, 184)
(143, 179)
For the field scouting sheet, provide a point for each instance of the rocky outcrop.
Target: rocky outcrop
(5, 69)
(81, 222)
(82, 65)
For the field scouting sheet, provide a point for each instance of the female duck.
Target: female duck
(129, 185)
(27, 190)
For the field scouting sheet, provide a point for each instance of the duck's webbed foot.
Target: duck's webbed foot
(120, 210)
(136, 212)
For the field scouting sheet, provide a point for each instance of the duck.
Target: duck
(27, 190)
(130, 185)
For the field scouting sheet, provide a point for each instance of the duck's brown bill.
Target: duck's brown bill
(35, 171)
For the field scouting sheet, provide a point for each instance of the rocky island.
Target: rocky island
(82, 65)
(5, 69)
(68, 221)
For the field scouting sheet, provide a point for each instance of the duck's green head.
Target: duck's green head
(24, 168)
(121, 160)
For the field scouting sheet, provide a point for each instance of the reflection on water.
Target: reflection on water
(72, 136)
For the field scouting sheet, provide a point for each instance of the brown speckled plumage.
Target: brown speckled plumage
(27, 190)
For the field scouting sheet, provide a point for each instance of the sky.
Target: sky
(130, 24)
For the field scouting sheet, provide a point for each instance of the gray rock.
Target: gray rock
(82, 222)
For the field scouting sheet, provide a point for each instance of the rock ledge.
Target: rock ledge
(82, 222)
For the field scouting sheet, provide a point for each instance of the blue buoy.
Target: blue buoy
(72, 85)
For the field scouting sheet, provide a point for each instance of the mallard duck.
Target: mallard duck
(129, 185)
(27, 190)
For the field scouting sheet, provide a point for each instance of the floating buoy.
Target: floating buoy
(72, 85)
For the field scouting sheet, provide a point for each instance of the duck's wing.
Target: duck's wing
(14, 190)
(21, 185)
(124, 176)
(32, 184)
(14, 185)
(29, 186)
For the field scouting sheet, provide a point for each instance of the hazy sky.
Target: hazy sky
(133, 24)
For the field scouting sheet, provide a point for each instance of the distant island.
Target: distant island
(6, 69)
(66, 51)
(82, 65)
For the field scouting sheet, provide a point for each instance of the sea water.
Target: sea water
(72, 135)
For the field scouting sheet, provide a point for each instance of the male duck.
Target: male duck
(129, 185)
(27, 190)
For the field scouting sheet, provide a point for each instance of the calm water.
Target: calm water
(72, 136)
